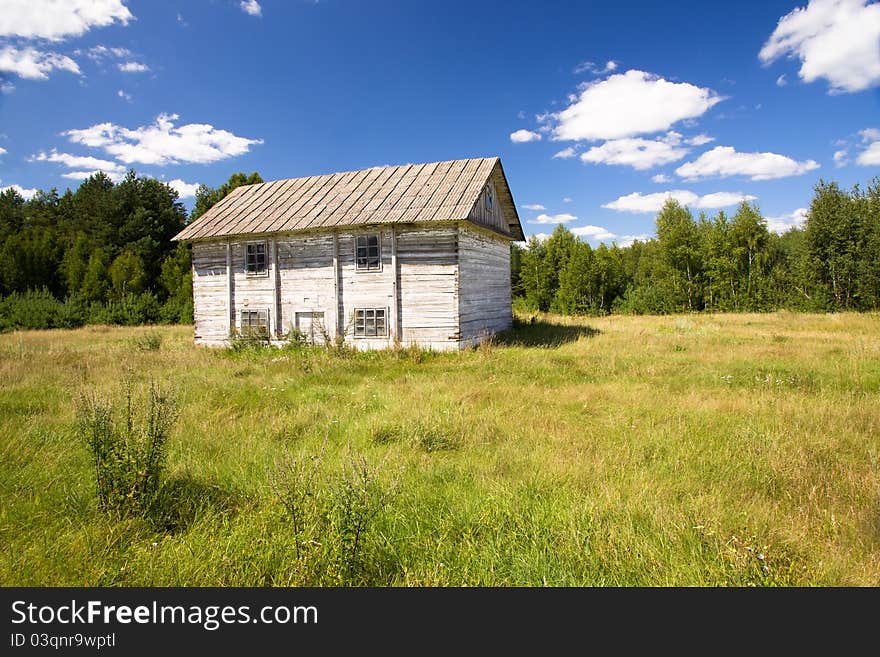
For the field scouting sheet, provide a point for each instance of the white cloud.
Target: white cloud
(6, 87)
(638, 202)
(870, 134)
(567, 199)
(26, 193)
(781, 81)
(99, 53)
(593, 232)
(591, 67)
(637, 153)
(724, 161)
(661, 178)
(834, 39)
(541, 237)
(521, 136)
(55, 20)
(565, 153)
(534, 206)
(840, 159)
(251, 7)
(183, 189)
(125, 96)
(624, 241)
(34, 64)
(785, 222)
(79, 162)
(628, 104)
(133, 67)
(162, 142)
(82, 175)
(562, 218)
(699, 140)
(870, 156)
(2, 151)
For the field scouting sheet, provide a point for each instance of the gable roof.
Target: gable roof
(438, 191)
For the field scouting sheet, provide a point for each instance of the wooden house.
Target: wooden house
(412, 254)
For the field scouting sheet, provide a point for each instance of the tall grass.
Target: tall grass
(680, 450)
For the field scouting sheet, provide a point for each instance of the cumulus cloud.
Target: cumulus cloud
(637, 153)
(833, 39)
(2, 151)
(125, 96)
(26, 193)
(534, 206)
(870, 156)
(593, 232)
(251, 7)
(79, 161)
(54, 20)
(629, 104)
(133, 67)
(567, 199)
(786, 222)
(840, 158)
(724, 161)
(183, 189)
(522, 136)
(661, 178)
(565, 153)
(645, 203)
(781, 81)
(34, 64)
(162, 142)
(562, 218)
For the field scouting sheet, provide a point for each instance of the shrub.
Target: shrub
(127, 447)
(150, 341)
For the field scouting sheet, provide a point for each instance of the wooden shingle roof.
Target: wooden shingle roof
(438, 191)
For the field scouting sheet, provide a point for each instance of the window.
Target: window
(255, 322)
(255, 259)
(367, 253)
(370, 323)
(488, 199)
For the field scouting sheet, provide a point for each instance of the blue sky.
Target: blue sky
(598, 110)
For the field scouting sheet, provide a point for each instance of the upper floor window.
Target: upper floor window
(488, 199)
(367, 252)
(255, 259)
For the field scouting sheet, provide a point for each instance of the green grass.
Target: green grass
(689, 450)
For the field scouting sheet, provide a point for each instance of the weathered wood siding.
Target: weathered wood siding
(253, 292)
(491, 217)
(484, 304)
(451, 285)
(428, 262)
(209, 291)
(364, 289)
(306, 284)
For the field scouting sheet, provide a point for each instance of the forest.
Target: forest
(718, 264)
(103, 255)
(99, 255)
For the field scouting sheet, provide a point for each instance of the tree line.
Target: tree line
(103, 254)
(721, 263)
(99, 255)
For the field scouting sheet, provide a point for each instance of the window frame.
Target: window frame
(247, 329)
(357, 257)
(365, 322)
(261, 272)
(489, 200)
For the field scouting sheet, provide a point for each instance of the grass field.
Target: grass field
(689, 450)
